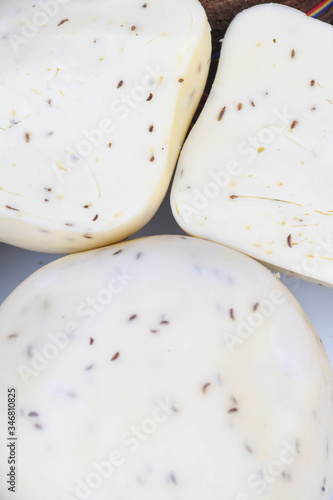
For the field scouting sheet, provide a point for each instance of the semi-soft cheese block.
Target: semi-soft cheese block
(162, 368)
(96, 97)
(256, 172)
(221, 12)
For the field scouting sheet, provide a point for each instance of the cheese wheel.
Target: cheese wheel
(96, 97)
(166, 367)
(255, 173)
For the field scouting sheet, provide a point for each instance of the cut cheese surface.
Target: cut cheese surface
(166, 367)
(96, 97)
(256, 171)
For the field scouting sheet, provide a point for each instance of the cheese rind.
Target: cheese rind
(95, 102)
(255, 173)
(165, 367)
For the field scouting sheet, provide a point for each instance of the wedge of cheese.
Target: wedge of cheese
(96, 97)
(256, 173)
(166, 367)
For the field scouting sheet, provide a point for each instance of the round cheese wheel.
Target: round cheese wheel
(166, 367)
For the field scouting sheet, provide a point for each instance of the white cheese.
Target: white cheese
(96, 97)
(256, 172)
(164, 368)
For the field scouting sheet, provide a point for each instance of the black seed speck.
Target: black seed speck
(90, 367)
(27, 137)
(181, 80)
(240, 106)
(38, 426)
(294, 123)
(289, 241)
(133, 317)
(297, 446)
(154, 331)
(151, 128)
(293, 53)
(312, 83)
(87, 236)
(144, 6)
(233, 410)
(116, 356)
(120, 84)
(164, 322)
(252, 103)
(63, 21)
(95, 218)
(110, 145)
(48, 189)
(323, 488)
(233, 197)
(232, 315)
(91, 341)
(219, 118)
(118, 252)
(33, 414)
(172, 477)
(149, 98)
(133, 28)
(12, 336)
(152, 159)
(139, 255)
(205, 387)
(255, 307)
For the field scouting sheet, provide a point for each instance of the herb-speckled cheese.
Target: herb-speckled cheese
(96, 97)
(166, 367)
(256, 172)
